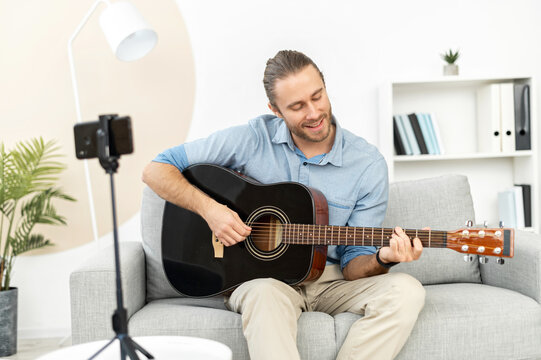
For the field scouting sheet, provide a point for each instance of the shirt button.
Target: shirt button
(305, 163)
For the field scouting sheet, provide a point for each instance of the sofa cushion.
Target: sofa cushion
(465, 321)
(209, 319)
(443, 203)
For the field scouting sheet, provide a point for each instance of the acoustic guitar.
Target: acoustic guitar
(289, 238)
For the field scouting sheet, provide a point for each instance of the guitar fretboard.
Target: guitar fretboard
(308, 234)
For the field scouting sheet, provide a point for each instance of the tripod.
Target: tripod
(109, 162)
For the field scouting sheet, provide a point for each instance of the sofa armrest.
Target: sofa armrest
(93, 291)
(522, 273)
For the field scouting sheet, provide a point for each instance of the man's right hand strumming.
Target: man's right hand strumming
(226, 224)
(169, 183)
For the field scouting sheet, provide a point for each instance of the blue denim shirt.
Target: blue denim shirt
(352, 176)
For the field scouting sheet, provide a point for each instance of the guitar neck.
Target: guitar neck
(308, 234)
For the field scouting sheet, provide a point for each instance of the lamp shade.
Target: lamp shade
(127, 32)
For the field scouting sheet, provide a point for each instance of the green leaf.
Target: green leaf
(32, 242)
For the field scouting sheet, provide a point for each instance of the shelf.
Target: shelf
(453, 103)
(474, 156)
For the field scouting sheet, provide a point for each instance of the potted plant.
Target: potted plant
(28, 174)
(450, 58)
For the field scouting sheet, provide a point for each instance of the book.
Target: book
(427, 133)
(507, 114)
(410, 135)
(398, 143)
(402, 132)
(418, 133)
(437, 134)
(527, 202)
(506, 208)
(522, 117)
(519, 207)
(489, 137)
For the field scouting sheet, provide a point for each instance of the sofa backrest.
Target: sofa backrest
(443, 203)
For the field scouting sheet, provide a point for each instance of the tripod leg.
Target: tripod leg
(136, 346)
(103, 348)
(128, 349)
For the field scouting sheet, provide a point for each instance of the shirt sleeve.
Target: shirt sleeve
(230, 148)
(369, 210)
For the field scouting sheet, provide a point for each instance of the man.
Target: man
(303, 142)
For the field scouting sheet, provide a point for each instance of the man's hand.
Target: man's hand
(226, 224)
(400, 248)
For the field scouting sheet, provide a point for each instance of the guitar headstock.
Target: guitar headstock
(482, 241)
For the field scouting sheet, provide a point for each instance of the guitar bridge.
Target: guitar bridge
(218, 247)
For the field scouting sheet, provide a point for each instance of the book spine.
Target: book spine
(402, 131)
(426, 133)
(418, 133)
(437, 133)
(398, 144)
(410, 135)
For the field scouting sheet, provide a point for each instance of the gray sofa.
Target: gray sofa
(472, 310)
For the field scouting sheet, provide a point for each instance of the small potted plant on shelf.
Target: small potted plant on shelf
(28, 174)
(450, 58)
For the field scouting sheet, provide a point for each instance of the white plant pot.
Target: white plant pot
(450, 69)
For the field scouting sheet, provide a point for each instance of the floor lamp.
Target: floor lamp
(130, 38)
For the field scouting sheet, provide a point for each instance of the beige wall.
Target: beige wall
(36, 98)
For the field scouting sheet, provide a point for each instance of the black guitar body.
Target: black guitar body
(188, 254)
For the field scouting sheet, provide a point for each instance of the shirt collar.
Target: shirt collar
(283, 136)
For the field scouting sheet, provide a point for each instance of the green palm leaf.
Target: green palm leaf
(28, 174)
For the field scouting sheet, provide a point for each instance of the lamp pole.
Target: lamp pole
(78, 112)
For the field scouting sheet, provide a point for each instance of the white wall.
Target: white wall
(357, 44)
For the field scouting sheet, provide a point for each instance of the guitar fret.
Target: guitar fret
(372, 237)
(381, 237)
(354, 237)
(363, 237)
(429, 236)
(339, 235)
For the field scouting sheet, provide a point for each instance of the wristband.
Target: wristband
(385, 265)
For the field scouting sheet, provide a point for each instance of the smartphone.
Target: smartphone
(120, 137)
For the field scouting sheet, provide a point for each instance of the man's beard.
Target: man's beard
(303, 134)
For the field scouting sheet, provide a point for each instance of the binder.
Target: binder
(488, 119)
(418, 133)
(507, 113)
(522, 117)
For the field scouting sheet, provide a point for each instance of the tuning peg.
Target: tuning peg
(501, 224)
(500, 261)
(469, 223)
(485, 224)
(468, 258)
(483, 259)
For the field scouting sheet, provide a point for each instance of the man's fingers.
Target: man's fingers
(417, 248)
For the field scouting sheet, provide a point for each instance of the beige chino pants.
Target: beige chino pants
(270, 309)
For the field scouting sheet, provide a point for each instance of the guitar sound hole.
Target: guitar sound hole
(266, 232)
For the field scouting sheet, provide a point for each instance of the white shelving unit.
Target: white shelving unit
(453, 101)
